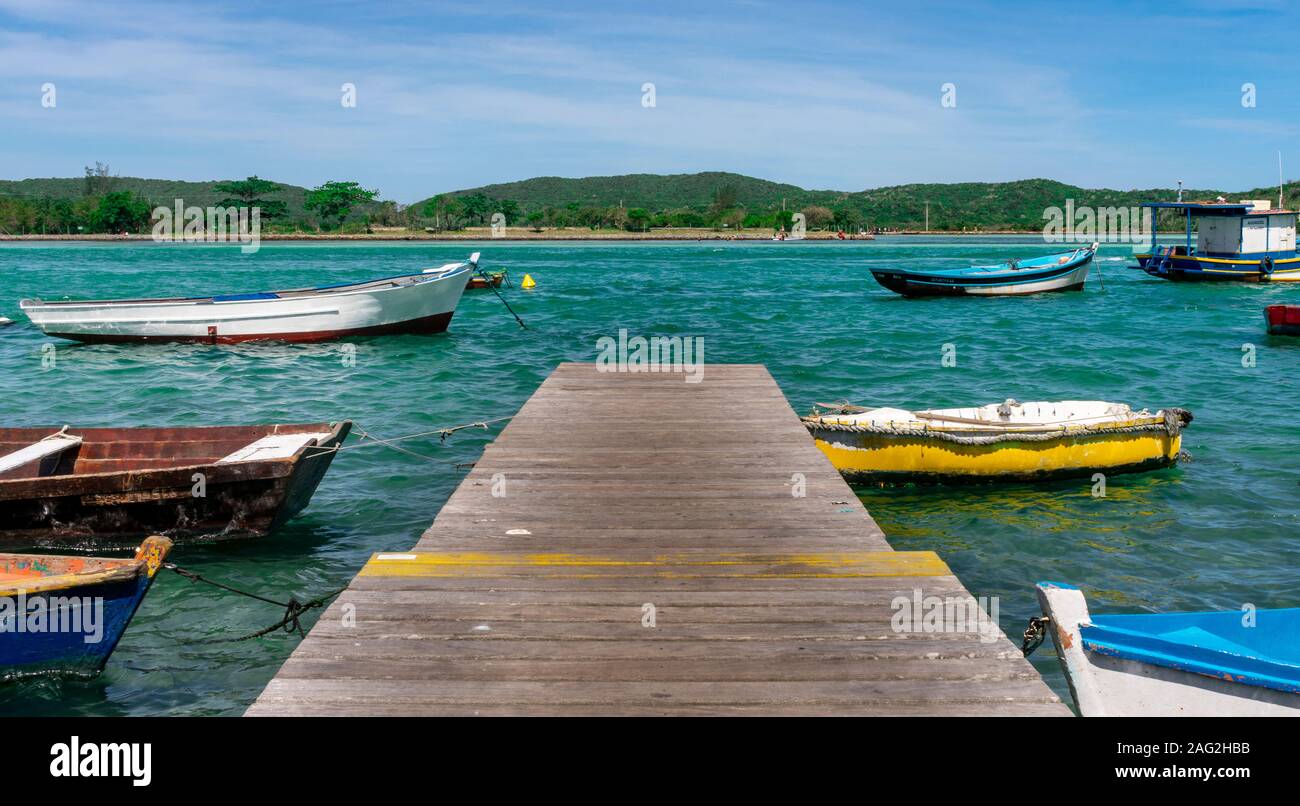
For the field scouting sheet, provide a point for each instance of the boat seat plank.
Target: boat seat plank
(50, 446)
(275, 446)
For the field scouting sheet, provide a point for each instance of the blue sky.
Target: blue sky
(821, 95)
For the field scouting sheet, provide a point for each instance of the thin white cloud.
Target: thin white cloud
(475, 92)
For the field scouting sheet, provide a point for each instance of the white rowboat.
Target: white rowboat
(1226, 663)
(415, 303)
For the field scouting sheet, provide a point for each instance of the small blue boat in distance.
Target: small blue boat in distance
(1222, 663)
(1062, 271)
(63, 615)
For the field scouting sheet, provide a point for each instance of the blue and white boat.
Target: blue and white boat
(1063, 271)
(1225, 663)
(1246, 241)
(63, 615)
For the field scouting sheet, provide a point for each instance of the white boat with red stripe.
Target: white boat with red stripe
(414, 303)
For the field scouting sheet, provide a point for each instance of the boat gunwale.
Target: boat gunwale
(214, 471)
(121, 569)
(299, 294)
(1030, 271)
(1065, 429)
(128, 570)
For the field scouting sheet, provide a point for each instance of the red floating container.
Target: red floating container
(1283, 320)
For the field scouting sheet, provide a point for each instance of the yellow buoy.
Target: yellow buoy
(528, 282)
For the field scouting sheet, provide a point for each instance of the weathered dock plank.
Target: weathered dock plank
(634, 544)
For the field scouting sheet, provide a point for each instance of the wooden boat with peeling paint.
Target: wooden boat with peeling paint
(1225, 663)
(64, 615)
(414, 303)
(1008, 441)
(84, 487)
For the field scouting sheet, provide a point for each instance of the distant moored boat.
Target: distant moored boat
(1063, 271)
(493, 280)
(415, 303)
(1246, 241)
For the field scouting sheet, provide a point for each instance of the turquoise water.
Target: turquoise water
(1214, 533)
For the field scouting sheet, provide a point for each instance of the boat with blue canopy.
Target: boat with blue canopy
(1246, 241)
(1219, 663)
(1062, 271)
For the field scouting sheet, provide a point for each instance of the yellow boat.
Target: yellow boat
(1007, 441)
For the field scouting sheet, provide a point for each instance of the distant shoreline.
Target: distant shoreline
(522, 234)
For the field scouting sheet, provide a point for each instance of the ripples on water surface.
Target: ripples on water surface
(1214, 533)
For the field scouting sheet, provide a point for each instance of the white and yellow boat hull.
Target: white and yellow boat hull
(938, 451)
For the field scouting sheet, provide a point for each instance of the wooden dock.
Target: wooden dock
(636, 544)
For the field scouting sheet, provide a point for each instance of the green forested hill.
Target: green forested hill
(633, 201)
(157, 191)
(970, 205)
(993, 205)
(650, 191)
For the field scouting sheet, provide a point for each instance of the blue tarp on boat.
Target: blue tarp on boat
(1255, 647)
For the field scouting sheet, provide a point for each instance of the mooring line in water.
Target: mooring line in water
(503, 299)
(442, 433)
(293, 609)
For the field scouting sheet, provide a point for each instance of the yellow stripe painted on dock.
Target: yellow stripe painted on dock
(822, 564)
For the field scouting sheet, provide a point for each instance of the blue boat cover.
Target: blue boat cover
(246, 297)
(1227, 644)
(1011, 271)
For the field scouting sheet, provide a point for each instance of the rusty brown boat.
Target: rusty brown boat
(493, 280)
(84, 487)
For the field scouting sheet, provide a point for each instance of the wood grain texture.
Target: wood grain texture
(609, 492)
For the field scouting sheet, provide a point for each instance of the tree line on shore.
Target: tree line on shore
(724, 212)
(105, 208)
(104, 203)
(339, 206)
